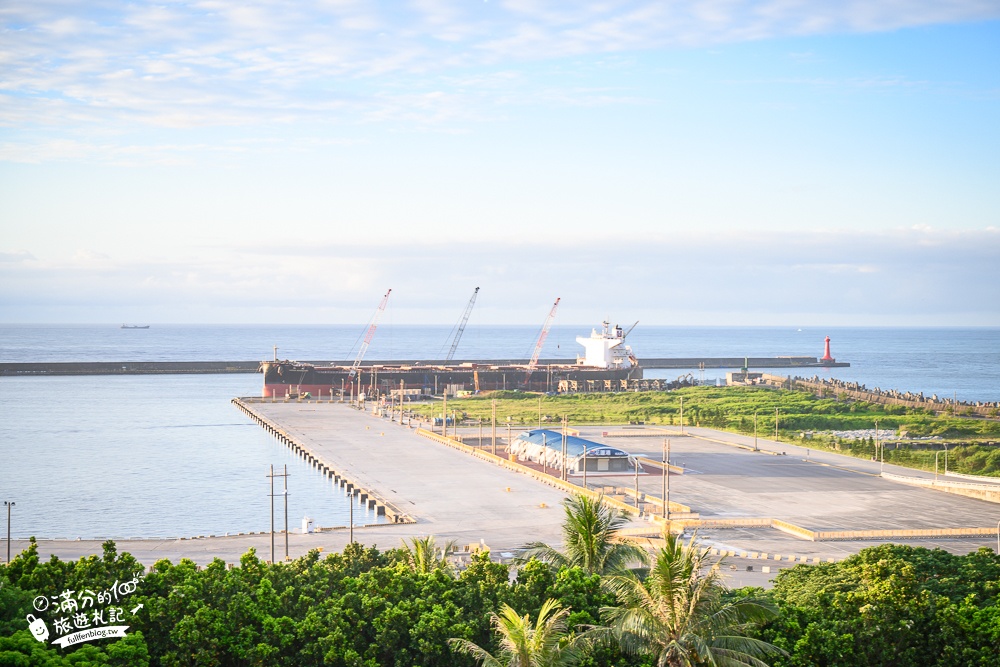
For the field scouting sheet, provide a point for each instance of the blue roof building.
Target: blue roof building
(543, 445)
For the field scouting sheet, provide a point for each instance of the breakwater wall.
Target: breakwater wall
(127, 367)
(833, 388)
(366, 497)
(212, 367)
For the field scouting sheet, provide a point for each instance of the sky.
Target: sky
(712, 162)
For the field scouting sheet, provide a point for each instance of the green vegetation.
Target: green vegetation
(680, 616)
(733, 409)
(544, 643)
(590, 535)
(888, 605)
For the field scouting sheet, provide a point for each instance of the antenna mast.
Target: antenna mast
(369, 335)
(461, 327)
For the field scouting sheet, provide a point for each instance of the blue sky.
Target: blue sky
(710, 162)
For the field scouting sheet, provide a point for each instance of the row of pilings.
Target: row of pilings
(369, 499)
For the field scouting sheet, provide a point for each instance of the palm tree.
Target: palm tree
(544, 643)
(590, 539)
(678, 614)
(423, 555)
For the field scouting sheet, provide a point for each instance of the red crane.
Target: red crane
(369, 335)
(541, 341)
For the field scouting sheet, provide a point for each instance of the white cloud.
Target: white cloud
(846, 278)
(218, 63)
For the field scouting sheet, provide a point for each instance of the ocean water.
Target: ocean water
(121, 456)
(149, 456)
(944, 361)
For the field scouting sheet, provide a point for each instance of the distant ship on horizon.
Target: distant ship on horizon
(135, 326)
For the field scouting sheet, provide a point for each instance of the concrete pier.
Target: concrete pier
(782, 503)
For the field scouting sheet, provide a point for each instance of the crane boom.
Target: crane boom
(541, 341)
(369, 335)
(461, 326)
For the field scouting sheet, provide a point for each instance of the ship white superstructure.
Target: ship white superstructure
(606, 349)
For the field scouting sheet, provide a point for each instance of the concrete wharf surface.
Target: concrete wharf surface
(813, 489)
(453, 495)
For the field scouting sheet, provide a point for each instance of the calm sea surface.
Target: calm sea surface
(100, 456)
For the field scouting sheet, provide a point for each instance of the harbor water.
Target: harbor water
(166, 456)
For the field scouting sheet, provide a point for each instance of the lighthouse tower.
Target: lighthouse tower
(826, 352)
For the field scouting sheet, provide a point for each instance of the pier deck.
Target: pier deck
(453, 495)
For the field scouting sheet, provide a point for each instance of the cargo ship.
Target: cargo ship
(606, 362)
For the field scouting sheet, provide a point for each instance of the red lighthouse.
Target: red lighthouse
(826, 352)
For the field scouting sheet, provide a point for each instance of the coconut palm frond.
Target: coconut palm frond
(523, 643)
(590, 539)
(543, 552)
(466, 647)
(424, 556)
(679, 616)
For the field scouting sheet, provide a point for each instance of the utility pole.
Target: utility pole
(480, 445)
(9, 505)
(272, 475)
(755, 431)
(285, 475)
(494, 427)
(776, 424)
(444, 414)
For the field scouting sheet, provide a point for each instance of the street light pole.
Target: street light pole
(666, 504)
(636, 462)
(881, 465)
(9, 505)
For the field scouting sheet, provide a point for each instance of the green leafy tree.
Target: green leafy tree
(523, 643)
(590, 539)
(679, 615)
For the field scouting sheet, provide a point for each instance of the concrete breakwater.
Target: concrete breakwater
(211, 367)
(826, 387)
(127, 367)
(364, 496)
